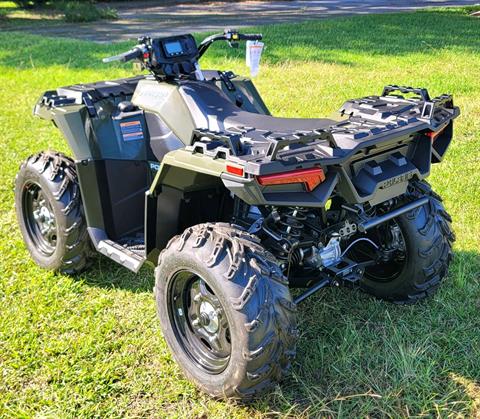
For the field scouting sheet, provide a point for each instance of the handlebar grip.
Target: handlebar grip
(251, 37)
(124, 57)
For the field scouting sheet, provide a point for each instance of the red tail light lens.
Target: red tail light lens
(311, 178)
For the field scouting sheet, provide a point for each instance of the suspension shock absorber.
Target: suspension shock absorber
(290, 226)
(291, 223)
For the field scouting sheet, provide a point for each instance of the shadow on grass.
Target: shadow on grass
(105, 273)
(319, 40)
(12, 17)
(361, 356)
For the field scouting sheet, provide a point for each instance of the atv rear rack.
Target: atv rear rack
(431, 107)
(268, 147)
(366, 122)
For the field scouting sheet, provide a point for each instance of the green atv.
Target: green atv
(187, 169)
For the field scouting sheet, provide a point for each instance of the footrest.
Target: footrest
(120, 254)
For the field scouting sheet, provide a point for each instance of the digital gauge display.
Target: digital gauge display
(173, 48)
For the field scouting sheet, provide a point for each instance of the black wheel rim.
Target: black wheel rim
(389, 269)
(39, 218)
(199, 322)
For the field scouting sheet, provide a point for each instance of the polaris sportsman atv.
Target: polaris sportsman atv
(188, 170)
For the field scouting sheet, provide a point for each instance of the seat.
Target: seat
(276, 124)
(211, 109)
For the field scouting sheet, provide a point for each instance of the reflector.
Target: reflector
(235, 170)
(435, 134)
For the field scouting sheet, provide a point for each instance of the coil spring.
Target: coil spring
(291, 223)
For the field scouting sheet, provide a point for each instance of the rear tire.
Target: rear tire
(50, 213)
(428, 239)
(251, 299)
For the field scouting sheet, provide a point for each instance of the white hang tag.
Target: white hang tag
(253, 54)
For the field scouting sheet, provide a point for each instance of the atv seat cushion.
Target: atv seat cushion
(211, 109)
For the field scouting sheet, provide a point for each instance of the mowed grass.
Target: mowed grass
(91, 345)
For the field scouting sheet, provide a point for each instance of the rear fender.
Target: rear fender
(179, 167)
(187, 190)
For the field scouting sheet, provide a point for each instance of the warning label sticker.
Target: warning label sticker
(131, 130)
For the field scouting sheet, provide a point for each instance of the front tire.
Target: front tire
(50, 213)
(428, 239)
(242, 341)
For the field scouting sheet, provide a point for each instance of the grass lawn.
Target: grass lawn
(91, 345)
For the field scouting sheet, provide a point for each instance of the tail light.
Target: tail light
(434, 134)
(311, 178)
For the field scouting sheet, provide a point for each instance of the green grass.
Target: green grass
(91, 345)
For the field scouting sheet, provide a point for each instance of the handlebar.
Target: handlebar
(143, 49)
(134, 53)
(229, 35)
